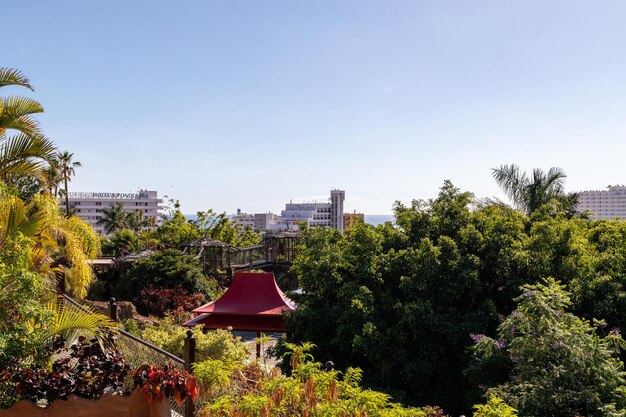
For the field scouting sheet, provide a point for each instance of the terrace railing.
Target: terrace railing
(138, 352)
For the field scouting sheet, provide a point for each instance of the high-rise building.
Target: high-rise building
(604, 204)
(89, 205)
(336, 209)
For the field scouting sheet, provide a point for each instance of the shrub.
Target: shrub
(159, 301)
(495, 407)
(560, 366)
(85, 370)
(214, 344)
(250, 390)
(169, 382)
(170, 268)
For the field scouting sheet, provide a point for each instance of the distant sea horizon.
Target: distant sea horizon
(373, 219)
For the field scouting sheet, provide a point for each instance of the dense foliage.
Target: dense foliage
(160, 301)
(130, 235)
(85, 369)
(214, 344)
(233, 389)
(169, 268)
(400, 302)
(559, 365)
(168, 382)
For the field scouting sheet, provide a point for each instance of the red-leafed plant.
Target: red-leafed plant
(85, 369)
(169, 382)
(159, 300)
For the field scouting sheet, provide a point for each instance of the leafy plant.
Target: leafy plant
(234, 389)
(494, 407)
(214, 344)
(85, 369)
(159, 301)
(560, 366)
(170, 268)
(170, 382)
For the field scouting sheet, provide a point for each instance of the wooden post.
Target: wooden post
(113, 309)
(258, 344)
(190, 358)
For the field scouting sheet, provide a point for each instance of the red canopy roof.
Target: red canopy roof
(252, 302)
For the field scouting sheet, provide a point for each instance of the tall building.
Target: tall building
(604, 204)
(336, 209)
(89, 205)
(314, 214)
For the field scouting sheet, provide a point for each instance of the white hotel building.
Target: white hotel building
(604, 204)
(88, 205)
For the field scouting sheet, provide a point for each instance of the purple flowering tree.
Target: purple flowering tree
(560, 365)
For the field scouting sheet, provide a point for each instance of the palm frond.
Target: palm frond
(11, 76)
(14, 220)
(16, 106)
(71, 321)
(512, 182)
(24, 154)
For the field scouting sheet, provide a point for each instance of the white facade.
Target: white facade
(314, 214)
(88, 205)
(604, 204)
(244, 219)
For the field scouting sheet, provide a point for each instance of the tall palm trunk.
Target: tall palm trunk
(67, 200)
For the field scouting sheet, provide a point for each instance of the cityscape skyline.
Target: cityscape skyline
(384, 99)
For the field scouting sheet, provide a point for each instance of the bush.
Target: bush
(159, 301)
(170, 268)
(560, 366)
(247, 391)
(85, 370)
(215, 344)
(495, 407)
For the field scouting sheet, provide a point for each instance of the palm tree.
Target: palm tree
(58, 247)
(51, 179)
(136, 221)
(28, 151)
(113, 218)
(66, 168)
(530, 193)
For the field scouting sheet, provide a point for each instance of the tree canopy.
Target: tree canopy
(401, 301)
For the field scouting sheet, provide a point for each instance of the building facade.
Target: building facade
(314, 214)
(604, 204)
(350, 219)
(89, 205)
(337, 198)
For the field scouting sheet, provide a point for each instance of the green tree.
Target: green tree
(530, 193)
(165, 269)
(66, 167)
(560, 366)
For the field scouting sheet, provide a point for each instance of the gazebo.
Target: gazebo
(252, 302)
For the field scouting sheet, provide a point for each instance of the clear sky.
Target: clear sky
(246, 104)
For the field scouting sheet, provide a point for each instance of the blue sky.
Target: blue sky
(247, 104)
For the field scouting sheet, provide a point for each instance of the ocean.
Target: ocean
(376, 219)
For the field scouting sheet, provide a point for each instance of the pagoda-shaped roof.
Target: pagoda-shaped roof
(252, 302)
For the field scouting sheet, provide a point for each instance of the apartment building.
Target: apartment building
(604, 204)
